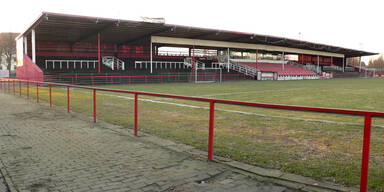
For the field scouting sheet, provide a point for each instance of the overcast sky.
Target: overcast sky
(357, 24)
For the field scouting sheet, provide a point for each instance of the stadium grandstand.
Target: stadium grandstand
(83, 50)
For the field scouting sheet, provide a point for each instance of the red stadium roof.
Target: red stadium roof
(74, 28)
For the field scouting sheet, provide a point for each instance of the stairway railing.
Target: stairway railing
(113, 62)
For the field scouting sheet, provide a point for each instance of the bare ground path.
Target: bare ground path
(44, 149)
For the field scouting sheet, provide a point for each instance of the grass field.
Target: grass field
(321, 146)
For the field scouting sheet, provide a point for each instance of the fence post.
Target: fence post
(365, 154)
(72, 80)
(19, 88)
(68, 99)
(9, 86)
(135, 114)
(93, 80)
(37, 92)
(211, 125)
(14, 88)
(50, 95)
(27, 89)
(94, 105)
(1, 84)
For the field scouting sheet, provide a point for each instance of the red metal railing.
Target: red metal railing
(6, 85)
(145, 78)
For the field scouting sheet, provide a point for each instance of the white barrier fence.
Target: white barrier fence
(4, 73)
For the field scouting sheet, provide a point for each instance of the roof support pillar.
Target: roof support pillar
(98, 52)
(151, 55)
(360, 64)
(343, 64)
(283, 59)
(193, 59)
(25, 45)
(318, 64)
(257, 59)
(332, 66)
(33, 46)
(228, 59)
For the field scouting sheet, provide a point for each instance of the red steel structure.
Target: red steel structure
(366, 114)
(98, 51)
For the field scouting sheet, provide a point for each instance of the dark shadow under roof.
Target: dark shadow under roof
(59, 27)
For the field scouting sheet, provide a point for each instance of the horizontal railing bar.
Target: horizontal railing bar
(98, 76)
(241, 103)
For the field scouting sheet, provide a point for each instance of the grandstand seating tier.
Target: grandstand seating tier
(278, 68)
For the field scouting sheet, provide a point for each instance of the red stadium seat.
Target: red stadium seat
(278, 68)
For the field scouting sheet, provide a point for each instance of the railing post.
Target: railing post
(19, 88)
(27, 89)
(94, 105)
(135, 114)
(211, 126)
(365, 154)
(68, 99)
(50, 95)
(37, 92)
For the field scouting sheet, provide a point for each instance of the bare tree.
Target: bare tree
(8, 47)
(377, 63)
(1, 49)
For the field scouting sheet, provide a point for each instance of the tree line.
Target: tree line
(377, 63)
(7, 48)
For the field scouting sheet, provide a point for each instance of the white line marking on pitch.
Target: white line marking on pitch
(246, 92)
(239, 112)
